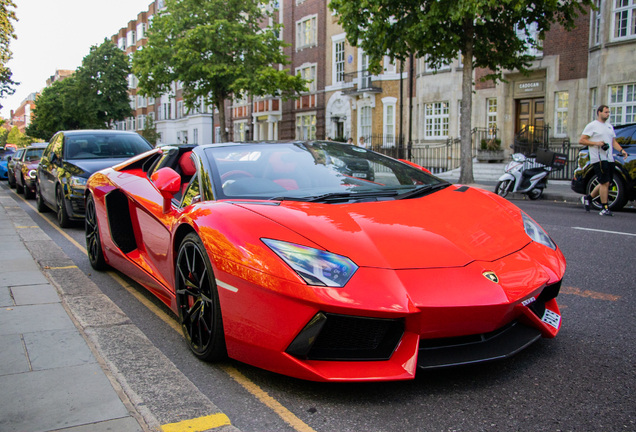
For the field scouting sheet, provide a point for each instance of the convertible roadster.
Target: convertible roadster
(270, 254)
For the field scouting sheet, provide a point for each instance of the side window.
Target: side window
(626, 136)
(192, 194)
(49, 148)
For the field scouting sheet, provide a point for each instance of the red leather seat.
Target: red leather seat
(186, 165)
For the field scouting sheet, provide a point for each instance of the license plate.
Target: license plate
(551, 318)
(360, 175)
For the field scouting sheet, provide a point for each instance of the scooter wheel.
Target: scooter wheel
(535, 194)
(503, 187)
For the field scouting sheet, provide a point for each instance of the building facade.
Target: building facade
(21, 117)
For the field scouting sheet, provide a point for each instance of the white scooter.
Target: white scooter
(529, 181)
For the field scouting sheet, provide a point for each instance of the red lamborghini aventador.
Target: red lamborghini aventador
(325, 261)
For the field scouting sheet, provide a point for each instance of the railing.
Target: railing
(530, 138)
(364, 82)
(560, 146)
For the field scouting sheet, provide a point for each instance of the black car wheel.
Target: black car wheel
(18, 187)
(535, 194)
(11, 180)
(39, 201)
(28, 194)
(504, 187)
(93, 242)
(198, 301)
(62, 216)
(616, 198)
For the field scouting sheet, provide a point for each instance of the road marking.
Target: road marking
(60, 268)
(604, 231)
(24, 227)
(269, 401)
(587, 293)
(286, 415)
(198, 424)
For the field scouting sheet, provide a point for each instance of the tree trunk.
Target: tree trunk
(466, 161)
(220, 105)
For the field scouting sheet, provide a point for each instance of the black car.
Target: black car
(623, 185)
(354, 167)
(70, 159)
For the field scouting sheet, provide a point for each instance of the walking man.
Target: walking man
(599, 137)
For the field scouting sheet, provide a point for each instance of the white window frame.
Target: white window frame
(306, 125)
(594, 101)
(622, 103)
(195, 136)
(239, 130)
(365, 123)
(121, 43)
(436, 120)
(596, 23)
(133, 102)
(561, 106)
(339, 59)
(491, 116)
(141, 101)
(309, 71)
(388, 110)
(623, 13)
(533, 32)
(132, 81)
(141, 31)
(307, 32)
(429, 69)
(217, 134)
(131, 38)
(141, 121)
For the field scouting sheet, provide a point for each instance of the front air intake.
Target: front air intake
(343, 337)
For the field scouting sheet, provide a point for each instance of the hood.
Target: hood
(449, 228)
(86, 167)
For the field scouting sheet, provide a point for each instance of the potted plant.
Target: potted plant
(490, 151)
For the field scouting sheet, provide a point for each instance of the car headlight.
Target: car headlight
(77, 182)
(316, 267)
(536, 233)
(32, 173)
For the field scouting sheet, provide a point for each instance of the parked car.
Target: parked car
(70, 158)
(5, 157)
(623, 185)
(11, 159)
(25, 169)
(270, 255)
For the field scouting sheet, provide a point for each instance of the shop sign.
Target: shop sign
(525, 89)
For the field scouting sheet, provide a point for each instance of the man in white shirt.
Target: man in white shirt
(599, 137)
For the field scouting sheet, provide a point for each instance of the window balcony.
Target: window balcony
(363, 83)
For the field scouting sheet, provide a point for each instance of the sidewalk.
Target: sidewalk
(70, 359)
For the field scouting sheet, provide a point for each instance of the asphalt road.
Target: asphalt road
(583, 380)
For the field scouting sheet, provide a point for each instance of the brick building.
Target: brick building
(21, 117)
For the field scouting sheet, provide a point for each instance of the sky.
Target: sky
(58, 34)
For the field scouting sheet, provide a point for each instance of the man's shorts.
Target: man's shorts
(603, 170)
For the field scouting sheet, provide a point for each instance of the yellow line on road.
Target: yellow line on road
(245, 382)
(198, 424)
(61, 268)
(590, 294)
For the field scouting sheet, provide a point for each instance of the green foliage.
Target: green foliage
(94, 97)
(217, 50)
(150, 131)
(3, 136)
(7, 15)
(14, 135)
(491, 144)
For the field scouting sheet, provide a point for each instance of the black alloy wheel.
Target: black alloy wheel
(198, 301)
(93, 242)
(62, 216)
(39, 201)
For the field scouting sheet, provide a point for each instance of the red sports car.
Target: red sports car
(278, 255)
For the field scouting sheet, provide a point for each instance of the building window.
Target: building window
(308, 72)
(491, 117)
(366, 123)
(530, 35)
(339, 61)
(195, 136)
(184, 136)
(179, 109)
(217, 134)
(151, 101)
(132, 81)
(622, 104)
(389, 67)
(121, 43)
(594, 102)
(430, 69)
(141, 122)
(459, 118)
(239, 131)
(624, 19)
(596, 33)
(306, 32)
(141, 102)
(133, 104)
(141, 31)
(561, 114)
(436, 120)
(306, 126)
(131, 38)
(389, 122)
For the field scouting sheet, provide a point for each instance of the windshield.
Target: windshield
(34, 154)
(318, 172)
(104, 145)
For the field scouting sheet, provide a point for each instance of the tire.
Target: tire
(27, 192)
(39, 201)
(11, 180)
(535, 194)
(616, 198)
(93, 242)
(62, 216)
(18, 187)
(504, 187)
(198, 301)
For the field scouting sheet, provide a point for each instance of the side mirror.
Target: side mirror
(168, 182)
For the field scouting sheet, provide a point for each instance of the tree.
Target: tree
(216, 49)
(7, 15)
(102, 84)
(483, 31)
(93, 98)
(150, 131)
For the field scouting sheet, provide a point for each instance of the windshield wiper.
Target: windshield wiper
(348, 196)
(422, 190)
